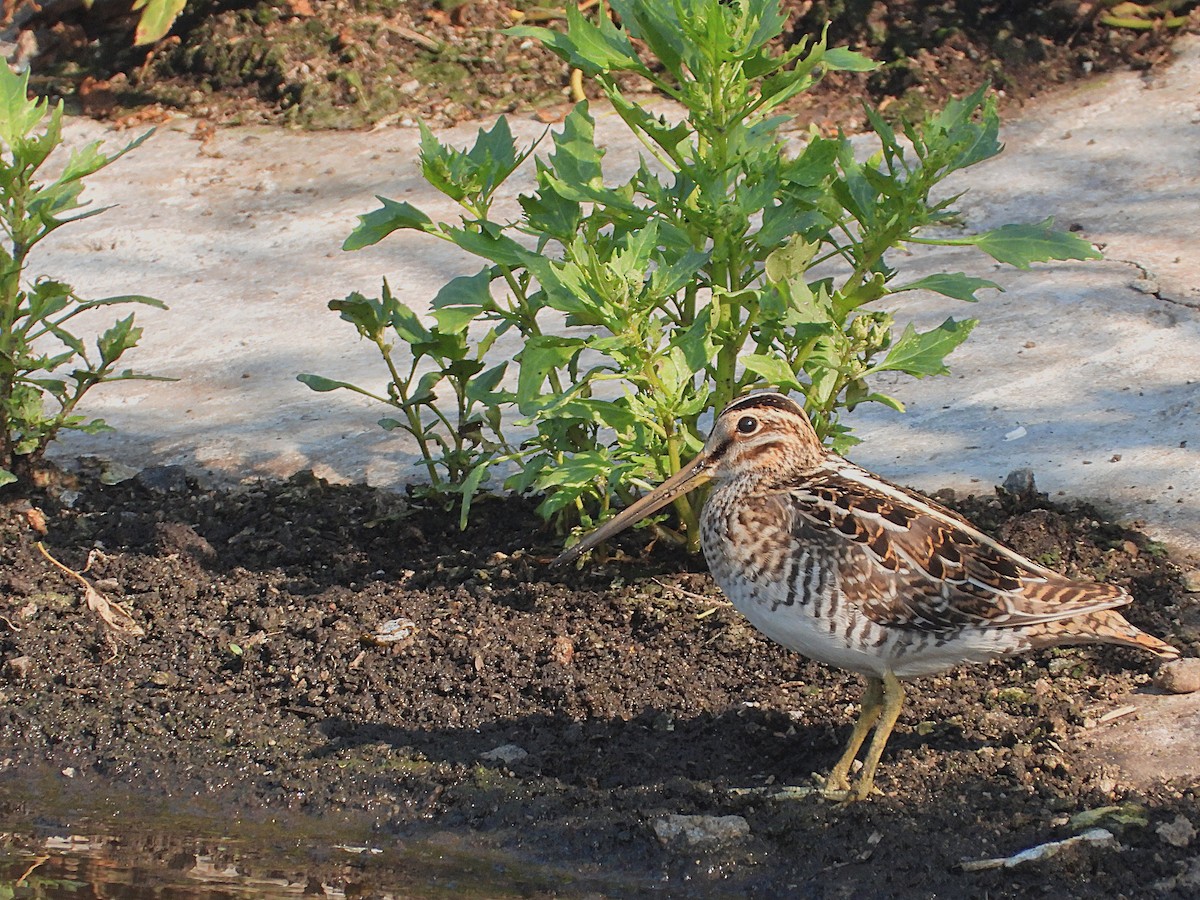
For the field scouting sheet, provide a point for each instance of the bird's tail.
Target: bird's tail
(1102, 627)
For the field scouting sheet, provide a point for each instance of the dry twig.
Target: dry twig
(111, 613)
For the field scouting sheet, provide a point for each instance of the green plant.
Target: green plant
(721, 264)
(155, 20)
(37, 400)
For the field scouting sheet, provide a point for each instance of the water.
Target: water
(59, 842)
(57, 864)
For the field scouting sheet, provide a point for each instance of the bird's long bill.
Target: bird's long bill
(690, 476)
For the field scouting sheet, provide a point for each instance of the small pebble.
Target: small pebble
(18, 667)
(506, 753)
(1180, 676)
(1178, 833)
(1020, 483)
(115, 473)
(163, 479)
(701, 831)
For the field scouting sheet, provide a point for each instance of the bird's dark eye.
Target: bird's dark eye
(747, 425)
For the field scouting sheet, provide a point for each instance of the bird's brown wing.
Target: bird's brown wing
(907, 562)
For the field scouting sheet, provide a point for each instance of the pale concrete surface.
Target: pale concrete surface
(1099, 363)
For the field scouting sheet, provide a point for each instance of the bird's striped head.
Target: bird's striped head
(763, 437)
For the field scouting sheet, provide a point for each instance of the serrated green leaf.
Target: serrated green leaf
(1022, 245)
(924, 353)
(69, 340)
(454, 320)
(657, 25)
(696, 341)
(406, 323)
(89, 159)
(592, 48)
(118, 338)
(472, 175)
(6, 477)
(576, 159)
(671, 137)
(843, 59)
(773, 370)
(424, 393)
(676, 270)
(495, 247)
(156, 20)
(577, 470)
(549, 212)
(843, 441)
(950, 284)
(18, 114)
(611, 413)
(541, 355)
(461, 299)
(366, 315)
(322, 384)
(790, 260)
(816, 163)
(374, 226)
(479, 390)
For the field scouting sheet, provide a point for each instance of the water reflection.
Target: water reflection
(58, 865)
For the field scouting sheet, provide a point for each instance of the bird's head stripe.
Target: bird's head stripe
(761, 401)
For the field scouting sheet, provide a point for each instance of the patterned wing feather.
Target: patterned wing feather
(908, 562)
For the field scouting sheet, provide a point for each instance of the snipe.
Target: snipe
(855, 572)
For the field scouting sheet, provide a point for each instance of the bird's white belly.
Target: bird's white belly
(832, 631)
(794, 594)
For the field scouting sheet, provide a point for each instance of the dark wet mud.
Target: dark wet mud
(329, 665)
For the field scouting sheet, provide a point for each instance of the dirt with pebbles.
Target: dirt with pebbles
(356, 63)
(540, 724)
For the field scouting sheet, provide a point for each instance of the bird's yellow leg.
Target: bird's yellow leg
(893, 700)
(872, 702)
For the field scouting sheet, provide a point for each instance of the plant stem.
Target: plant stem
(415, 427)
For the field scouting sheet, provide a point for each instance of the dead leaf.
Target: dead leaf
(205, 132)
(36, 519)
(149, 115)
(549, 116)
(112, 614)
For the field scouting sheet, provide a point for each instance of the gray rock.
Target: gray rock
(115, 472)
(1191, 581)
(1178, 833)
(701, 831)
(505, 753)
(1020, 483)
(18, 667)
(163, 479)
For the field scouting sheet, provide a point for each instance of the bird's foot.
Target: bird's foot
(835, 786)
(838, 788)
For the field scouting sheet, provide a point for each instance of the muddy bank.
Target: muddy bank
(346, 662)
